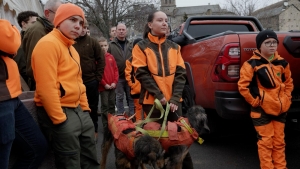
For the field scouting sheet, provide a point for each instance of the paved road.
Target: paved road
(233, 147)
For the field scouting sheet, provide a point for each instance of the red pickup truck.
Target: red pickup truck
(214, 49)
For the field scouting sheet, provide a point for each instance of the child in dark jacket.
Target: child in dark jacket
(108, 84)
(266, 84)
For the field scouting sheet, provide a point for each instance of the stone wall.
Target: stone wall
(289, 19)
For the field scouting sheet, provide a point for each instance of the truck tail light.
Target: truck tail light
(227, 65)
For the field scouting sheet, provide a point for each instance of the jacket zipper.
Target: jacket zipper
(270, 77)
(274, 85)
(279, 87)
(263, 97)
(77, 73)
(162, 60)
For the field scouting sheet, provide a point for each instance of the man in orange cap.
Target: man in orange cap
(16, 123)
(60, 95)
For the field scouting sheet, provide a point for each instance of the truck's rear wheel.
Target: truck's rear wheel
(188, 98)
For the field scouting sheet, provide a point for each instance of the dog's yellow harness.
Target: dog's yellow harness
(168, 134)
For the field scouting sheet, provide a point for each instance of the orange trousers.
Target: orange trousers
(271, 145)
(138, 110)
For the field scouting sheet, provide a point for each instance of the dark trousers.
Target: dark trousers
(73, 141)
(122, 87)
(31, 83)
(108, 101)
(92, 95)
(17, 126)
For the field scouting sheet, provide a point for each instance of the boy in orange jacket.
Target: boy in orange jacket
(266, 84)
(135, 86)
(60, 94)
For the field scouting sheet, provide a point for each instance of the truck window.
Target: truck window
(202, 31)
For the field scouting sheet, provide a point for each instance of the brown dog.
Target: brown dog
(132, 148)
(179, 138)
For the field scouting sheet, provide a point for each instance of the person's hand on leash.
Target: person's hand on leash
(173, 107)
(163, 101)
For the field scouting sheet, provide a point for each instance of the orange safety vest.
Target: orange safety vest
(183, 137)
(124, 142)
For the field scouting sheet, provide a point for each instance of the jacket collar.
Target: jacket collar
(81, 37)
(22, 34)
(66, 41)
(258, 55)
(115, 40)
(107, 54)
(156, 39)
(47, 24)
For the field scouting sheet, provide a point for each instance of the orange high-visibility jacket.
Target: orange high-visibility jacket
(160, 69)
(133, 83)
(273, 83)
(9, 79)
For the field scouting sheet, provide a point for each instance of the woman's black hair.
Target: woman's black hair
(150, 19)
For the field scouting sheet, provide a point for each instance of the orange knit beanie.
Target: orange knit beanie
(10, 37)
(65, 11)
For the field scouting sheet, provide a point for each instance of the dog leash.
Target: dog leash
(163, 114)
(162, 132)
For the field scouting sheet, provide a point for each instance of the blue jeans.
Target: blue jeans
(18, 126)
(122, 87)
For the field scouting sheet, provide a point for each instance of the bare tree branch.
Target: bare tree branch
(242, 7)
(107, 13)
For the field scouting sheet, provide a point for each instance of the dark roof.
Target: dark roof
(192, 10)
(271, 10)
